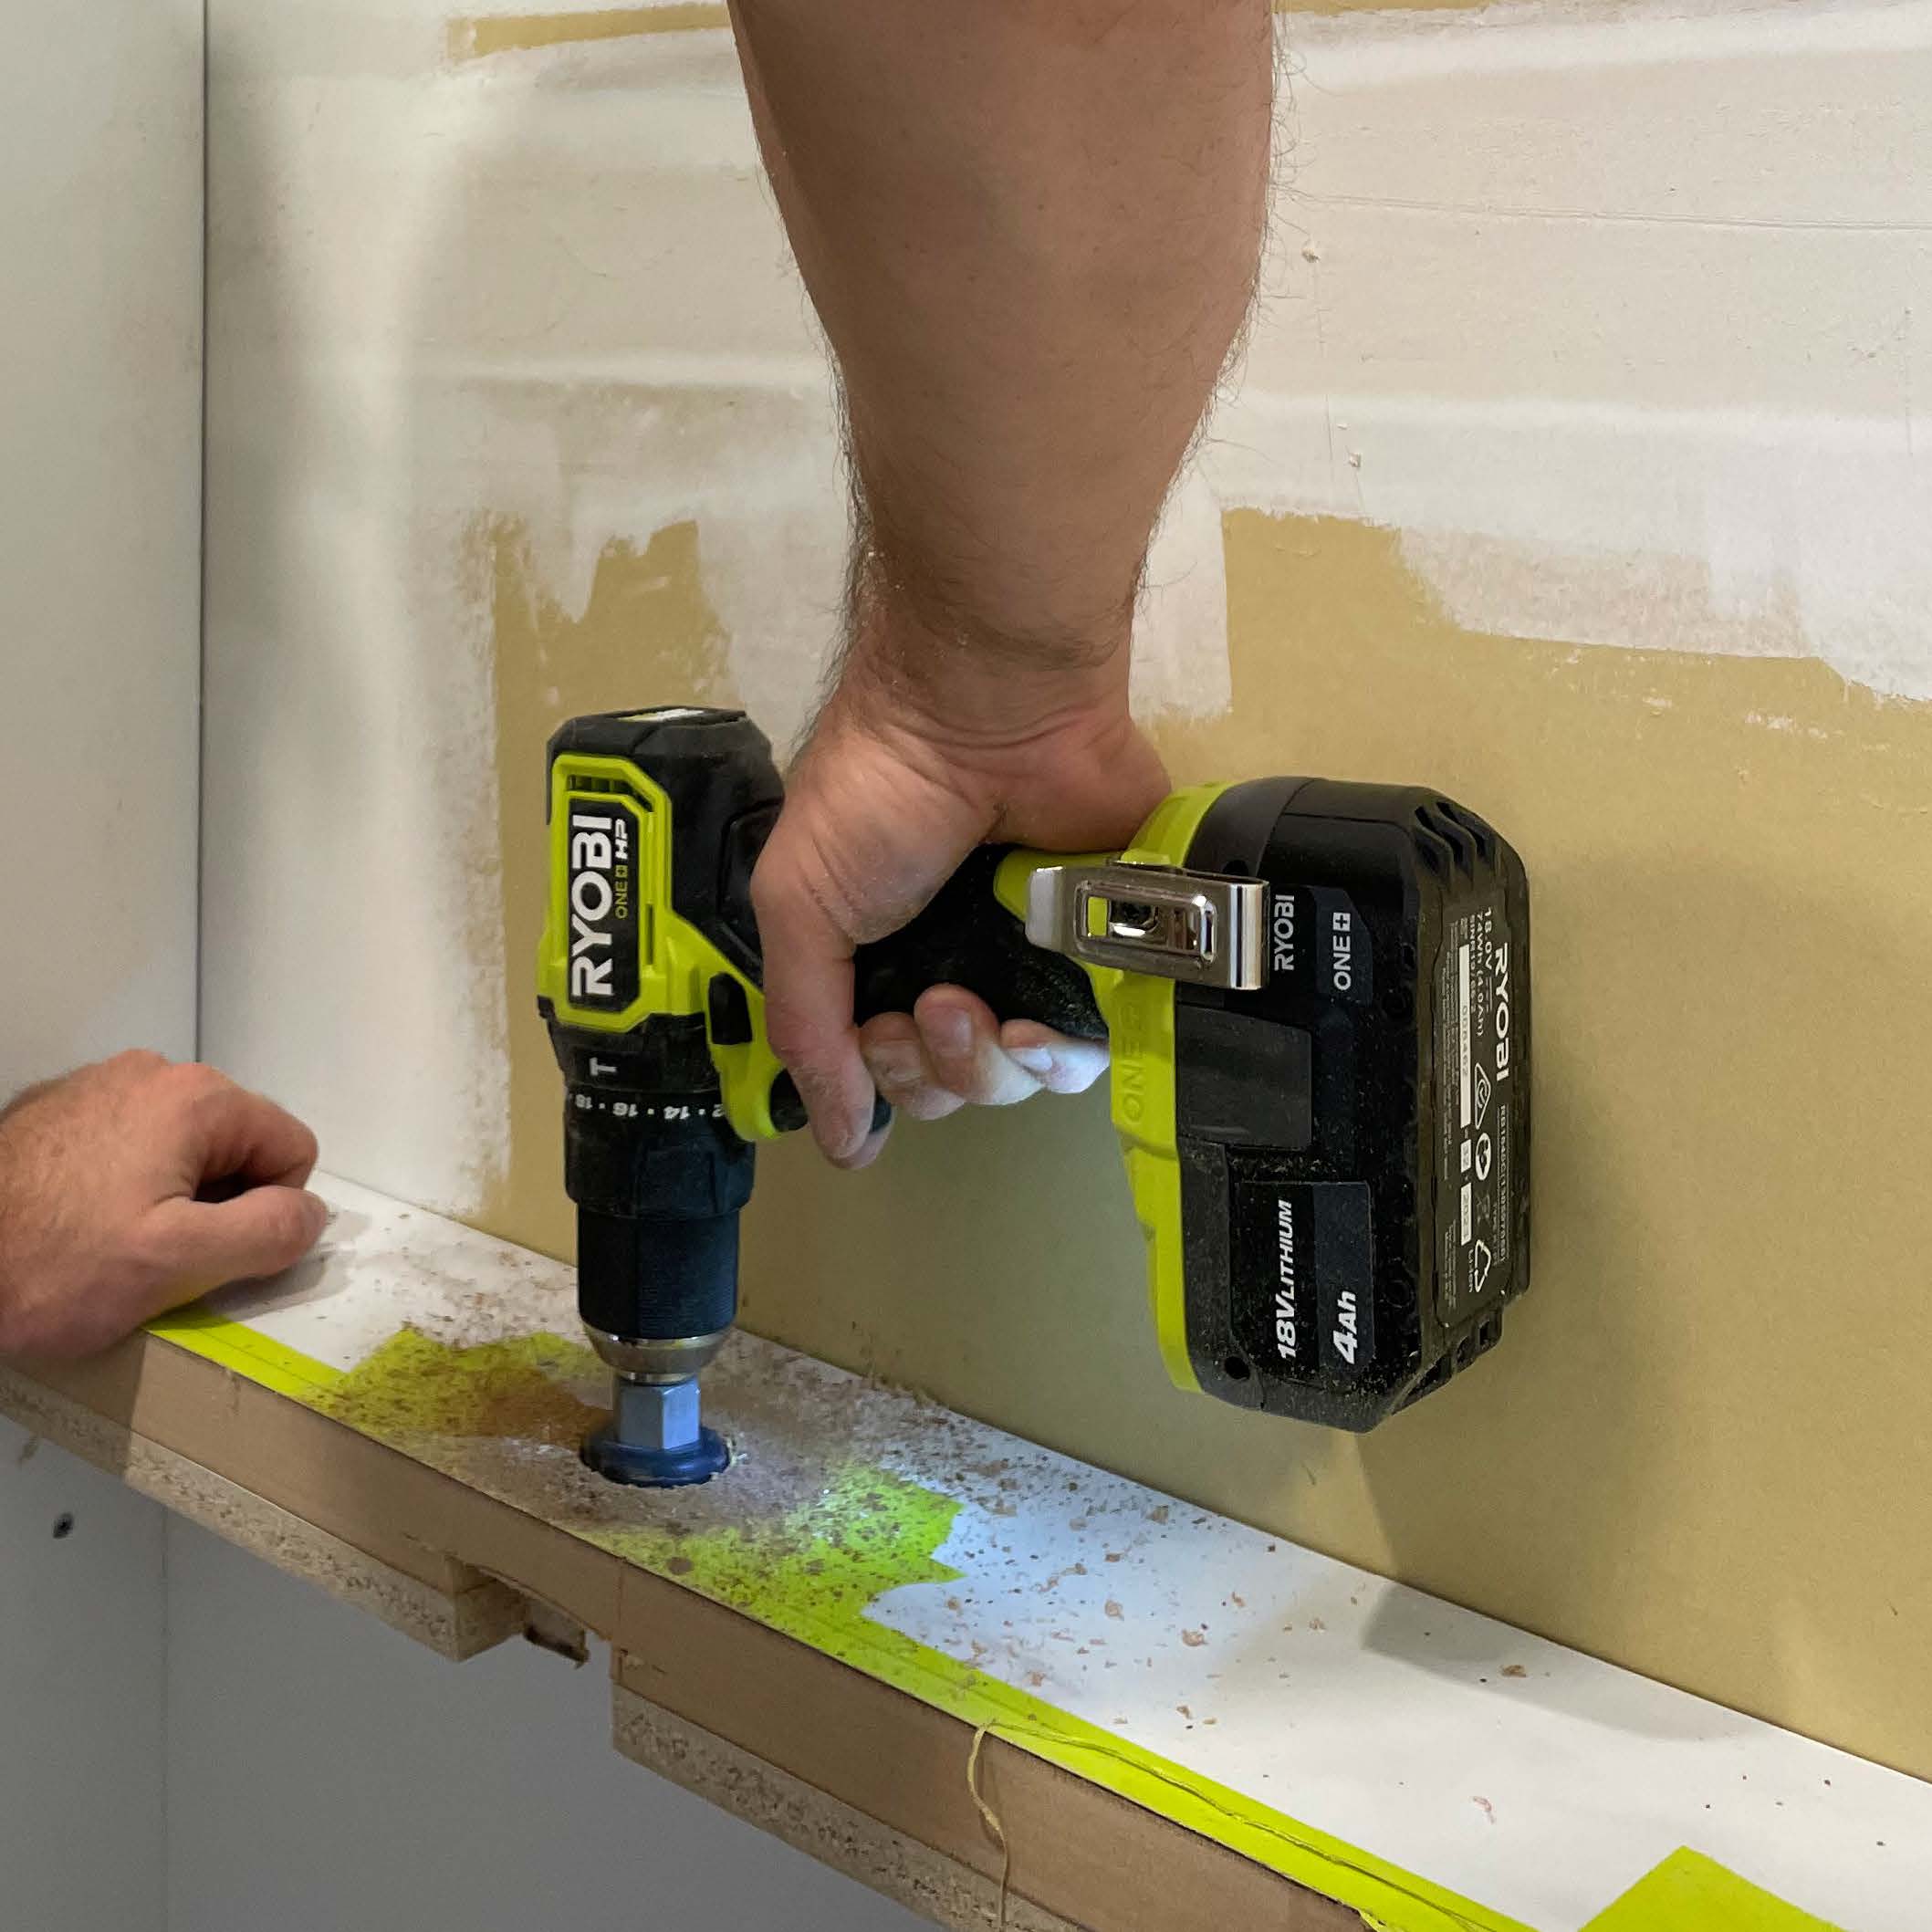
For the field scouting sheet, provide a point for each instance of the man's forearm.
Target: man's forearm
(1031, 230)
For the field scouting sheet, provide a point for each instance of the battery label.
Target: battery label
(1478, 1103)
(600, 889)
(1320, 943)
(1310, 1246)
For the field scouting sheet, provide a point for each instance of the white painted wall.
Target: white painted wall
(1619, 314)
(324, 1772)
(100, 230)
(101, 196)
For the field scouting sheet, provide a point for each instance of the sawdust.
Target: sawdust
(414, 1387)
(818, 1516)
(802, 1527)
(465, 1296)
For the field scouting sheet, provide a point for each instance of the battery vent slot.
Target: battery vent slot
(1435, 851)
(1457, 842)
(1484, 838)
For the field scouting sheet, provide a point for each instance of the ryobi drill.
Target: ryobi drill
(1317, 999)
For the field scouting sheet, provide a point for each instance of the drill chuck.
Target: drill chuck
(654, 1439)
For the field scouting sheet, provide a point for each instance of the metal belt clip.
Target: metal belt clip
(1198, 927)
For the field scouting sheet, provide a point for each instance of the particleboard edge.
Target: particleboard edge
(862, 1776)
(894, 1865)
(470, 1614)
(1081, 1855)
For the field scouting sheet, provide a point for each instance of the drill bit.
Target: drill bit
(655, 1436)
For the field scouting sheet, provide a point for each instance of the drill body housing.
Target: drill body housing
(1317, 999)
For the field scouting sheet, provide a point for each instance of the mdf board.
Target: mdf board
(1579, 466)
(100, 229)
(885, 1616)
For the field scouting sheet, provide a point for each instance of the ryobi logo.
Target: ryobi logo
(601, 886)
(1283, 926)
(1499, 998)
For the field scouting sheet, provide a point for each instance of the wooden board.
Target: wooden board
(460, 1571)
(1176, 1715)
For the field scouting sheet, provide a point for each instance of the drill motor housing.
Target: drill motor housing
(656, 819)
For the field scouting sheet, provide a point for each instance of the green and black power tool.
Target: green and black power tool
(1317, 999)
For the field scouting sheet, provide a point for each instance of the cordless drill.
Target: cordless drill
(1316, 995)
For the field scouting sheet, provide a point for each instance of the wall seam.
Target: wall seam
(169, 1527)
(201, 607)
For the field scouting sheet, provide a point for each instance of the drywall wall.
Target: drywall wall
(324, 1771)
(100, 229)
(1579, 466)
(100, 592)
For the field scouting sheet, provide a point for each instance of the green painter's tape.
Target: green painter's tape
(1691, 1892)
(815, 1571)
(236, 1347)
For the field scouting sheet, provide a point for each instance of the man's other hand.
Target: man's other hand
(133, 1186)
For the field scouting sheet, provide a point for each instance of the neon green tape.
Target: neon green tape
(1691, 1892)
(247, 1352)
